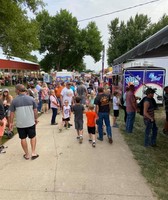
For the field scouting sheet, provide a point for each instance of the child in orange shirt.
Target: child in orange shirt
(91, 124)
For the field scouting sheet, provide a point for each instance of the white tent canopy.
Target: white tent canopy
(108, 74)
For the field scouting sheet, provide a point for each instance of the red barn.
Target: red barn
(14, 63)
(18, 68)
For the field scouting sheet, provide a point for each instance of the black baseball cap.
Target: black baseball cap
(150, 91)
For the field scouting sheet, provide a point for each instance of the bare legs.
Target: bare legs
(33, 146)
(45, 107)
(114, 120)
(25, 146)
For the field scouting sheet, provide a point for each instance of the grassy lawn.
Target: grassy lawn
(153, 161)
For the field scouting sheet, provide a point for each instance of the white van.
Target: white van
(64, 75)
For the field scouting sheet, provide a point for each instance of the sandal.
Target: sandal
(34, 157)
(26, 158)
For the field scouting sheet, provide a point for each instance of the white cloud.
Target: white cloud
(83, 9)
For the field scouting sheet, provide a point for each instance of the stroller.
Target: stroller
(8, 134)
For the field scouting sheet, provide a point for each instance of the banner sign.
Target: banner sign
(156, 77)
(117, 69)
(133, 78)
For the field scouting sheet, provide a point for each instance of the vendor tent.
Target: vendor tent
(108, 74)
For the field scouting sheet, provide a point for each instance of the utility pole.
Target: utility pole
(103, 62)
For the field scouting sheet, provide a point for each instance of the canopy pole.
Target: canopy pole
(103, 62)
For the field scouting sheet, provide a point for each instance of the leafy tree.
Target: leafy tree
(88, 71)
(66, 44)
(125, 36)
(18, 33)
(160, 24)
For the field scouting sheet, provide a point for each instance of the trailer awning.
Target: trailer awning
(154, 46)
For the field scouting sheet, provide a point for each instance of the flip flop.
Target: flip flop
(26, 158)
(34, 157)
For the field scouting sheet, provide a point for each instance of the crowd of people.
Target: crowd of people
(148, 106)
(90, 97)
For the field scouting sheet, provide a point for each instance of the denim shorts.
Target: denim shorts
(79, 125)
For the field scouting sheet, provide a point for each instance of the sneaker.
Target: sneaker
(80, 139)
(154, 145)
(2, 151)
(77, 137)
(110, 140)
(54, 123)
(93, 144)
(115, 125)
(3, 147)
(90, 140)
(101, 139)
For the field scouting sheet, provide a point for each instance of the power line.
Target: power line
(117, 11)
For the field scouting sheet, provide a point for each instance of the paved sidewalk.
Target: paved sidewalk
(67, 170)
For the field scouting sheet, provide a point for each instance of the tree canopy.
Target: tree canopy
(125, 36)
(64, 43)
(18, 33)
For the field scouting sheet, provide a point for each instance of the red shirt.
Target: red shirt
(91, 118)
(130, 102)
(58, 91)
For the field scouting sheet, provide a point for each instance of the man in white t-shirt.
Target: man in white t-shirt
(67, 94)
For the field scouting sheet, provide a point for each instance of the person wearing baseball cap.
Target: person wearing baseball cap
(25, 109)
(149, 91)
(131, 108)
(149, 119)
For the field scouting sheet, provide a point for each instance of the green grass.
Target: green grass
(153, 161)
(11, 90)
